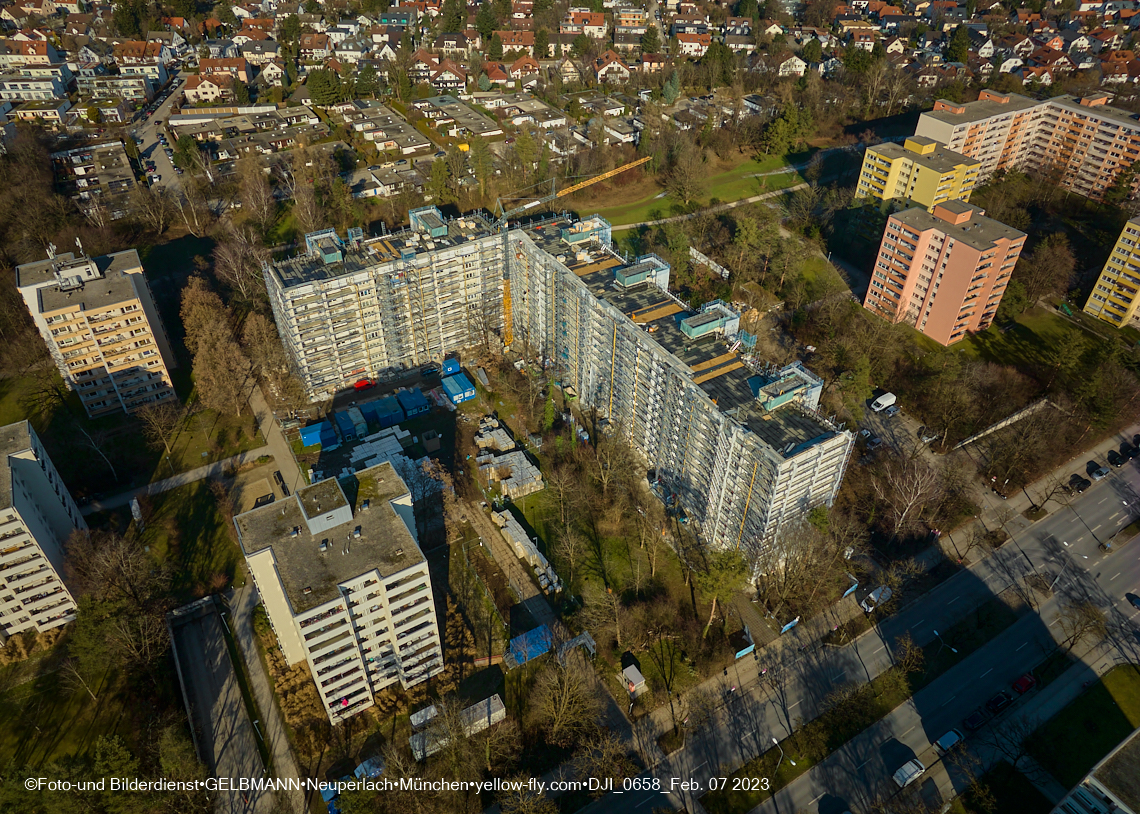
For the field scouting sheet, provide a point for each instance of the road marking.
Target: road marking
(986, 673)
(948, 700)
(1110, 579)
(1101, 501)
(813, 801)
(955, 599)
(1055, 621)
(919, 622)
(860, 766)
(1096, 528)
(880, 650)
(904, 734)
(793, 706)
(1024, 645)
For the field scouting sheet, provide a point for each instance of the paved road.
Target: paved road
(225, 734)
(762, 710)
(276, 442)
(284, 766)
(148, 131)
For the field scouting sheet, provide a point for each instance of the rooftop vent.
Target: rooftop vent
(296, 530)
(366, 505)
(399, 552)
(325, 544)
(306, 590)
(356, 532)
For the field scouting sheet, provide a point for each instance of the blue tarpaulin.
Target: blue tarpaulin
(531, 645)
(316, 433)
(345, 425)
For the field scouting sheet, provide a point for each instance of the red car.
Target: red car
(364, 384)
(1024, 684)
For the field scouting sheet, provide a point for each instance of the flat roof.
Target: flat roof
(984, 109)
(1120, 774)
(114, 286)
(979, 231)
(717, 371)
(13, 438)
(384, 544)
(941, 160)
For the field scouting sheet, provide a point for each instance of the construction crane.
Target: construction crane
(503, 217)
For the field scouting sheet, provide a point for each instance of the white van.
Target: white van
(910, 771)
(883, 402)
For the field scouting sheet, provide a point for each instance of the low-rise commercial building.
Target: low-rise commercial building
(943, 272)
(37, 515)
(346, 587)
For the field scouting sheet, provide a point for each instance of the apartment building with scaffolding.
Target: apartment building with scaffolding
(37, 515)
(98, 318)
(346, 587)
(1082, 142)
(352, 308)
(1116, 294)
(739, 445)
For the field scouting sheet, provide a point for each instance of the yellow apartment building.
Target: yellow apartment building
(920, 172)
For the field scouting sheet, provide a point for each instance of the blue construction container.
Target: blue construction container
(413, 402)
(345, 426)
(450, 367)
(388, 411)
(458, 388)
(316, 433)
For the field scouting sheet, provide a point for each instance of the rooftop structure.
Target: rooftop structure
(98, 177)
(342, 544)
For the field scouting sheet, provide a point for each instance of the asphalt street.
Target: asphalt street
(148, 131)
(1062, 547)
(224, 730)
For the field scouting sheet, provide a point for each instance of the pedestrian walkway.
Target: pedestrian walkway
(707, 209)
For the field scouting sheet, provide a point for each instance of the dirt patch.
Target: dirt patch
(253, 485)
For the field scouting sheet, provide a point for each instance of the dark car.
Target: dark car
(429, 371)
(1115, 458)
(999, 702)
(1078, 484)
(1129, 451)
(1135, 600)
(1024, 684)
(976, 720)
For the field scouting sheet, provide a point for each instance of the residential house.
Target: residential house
(452, 45)
(237, 68)
(609, 67)
(590, 23)
(448, 76)
(259, 53)
(520, 41)
(694, 45)
(315, 47)
(568, 70)
(1028, 74)
(524, 67)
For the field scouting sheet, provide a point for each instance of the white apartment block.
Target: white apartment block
(98, 318)
(348, 309)
(346, 587)
(37, 515)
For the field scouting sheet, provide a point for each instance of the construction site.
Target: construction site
(734, 445)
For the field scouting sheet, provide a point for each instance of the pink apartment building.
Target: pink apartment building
(943, 272)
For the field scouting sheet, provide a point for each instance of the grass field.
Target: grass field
(731, 185)
(1087, 729)
(1028, 344)
(187, 532)
(1012, 792)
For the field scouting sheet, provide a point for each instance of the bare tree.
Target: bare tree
(161, 422)
(1081, 619)
(571, 547)
(110, 566)
(521, 798)
(192, 204)
(909, 657)
(563, 702)
(154, 207)
(238, 257)
(904, 485)
(1014, 740)
(73, 678)
(604, 608)
(604, 756)
(256, 192)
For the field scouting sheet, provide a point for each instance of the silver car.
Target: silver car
(876, 598)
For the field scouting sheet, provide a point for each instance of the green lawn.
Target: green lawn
(1028, 344)
(820, 277)
(207, 437)
(1012, 792)
(44, 720)
(1089, 728)
(187, 532)
(733, 185)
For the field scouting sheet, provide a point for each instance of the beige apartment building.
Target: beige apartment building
(943, 272)
(101, 325)
(346, 587)
(1117, 291)
(1083, 142)
(919, 172)
(37, 515)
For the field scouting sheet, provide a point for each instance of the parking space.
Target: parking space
(895, 428)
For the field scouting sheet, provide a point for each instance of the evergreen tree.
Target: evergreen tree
(291, 28)
(485, 21)
(672, 88)
(651, 40)
(541, 43)
(451, 17)
(580, 45)
(241, 92)
(721, 64)
(813, 51)
(324, 87)
(367, 81)
(958, 50)
(484, 82)
(495, 49)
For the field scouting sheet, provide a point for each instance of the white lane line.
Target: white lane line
(955, 599)
(1101, 501)
(1096, 528)
(948, 700)
(793, 706)
(1110, 579)
(986, 673)
(1024, 645)
(1055, 621)
(904, 734)
(817, 798)
(919, 622)
(880, 650)
(860, 766)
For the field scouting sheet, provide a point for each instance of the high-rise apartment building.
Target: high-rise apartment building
(920, 172)
(1117, 291)
(99, 320)
(1084, 143)
(347, 309)
(740, 446)
(943, 272)
(37, 515)
(346, 587)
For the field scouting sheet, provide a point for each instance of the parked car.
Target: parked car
(1078, 484)
(1099, 473)
(430, 370)
(877, 597)
(892, 411)
(976, 720)
(999, 702)
(865, 433)
(1129, 451)
(883, 402)
(874, 444)
(1135, 600)
(1115, 458)
(909, 772)
(948, 741)
(1024, 684)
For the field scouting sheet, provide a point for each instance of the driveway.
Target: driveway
(147, 130)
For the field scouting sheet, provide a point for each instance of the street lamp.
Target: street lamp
(942, 643)
(781, 760)
(1059, 574)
